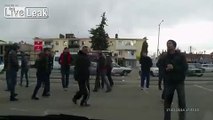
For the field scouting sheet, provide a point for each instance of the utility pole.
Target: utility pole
(159, 37)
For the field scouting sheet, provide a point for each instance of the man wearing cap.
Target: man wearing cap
(174, 66)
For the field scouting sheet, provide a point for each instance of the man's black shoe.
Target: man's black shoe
(35, 98)
(109, 90)
(15, 94)
(74, 101)
(46, 95)
(95, 90)
(13, 99)
(84, 105)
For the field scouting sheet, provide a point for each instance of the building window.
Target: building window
(82, 43)
(65, 43)
(56, 43)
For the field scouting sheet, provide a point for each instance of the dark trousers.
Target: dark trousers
(109, 76)
(145, 76)
(169, 93)
(7, 79)
(46, 84)
(65, 77)
(97, 81)
(84, 90)
(160, 79)
(24, 72)
(41, 77)
(104, 79)
(12, 82)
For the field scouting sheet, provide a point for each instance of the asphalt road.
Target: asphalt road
(125, 102)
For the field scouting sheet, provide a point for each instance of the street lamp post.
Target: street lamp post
(159, 36)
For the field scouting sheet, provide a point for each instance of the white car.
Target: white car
(1, 67)
(154, 71)
(207, 67)
(120, 70)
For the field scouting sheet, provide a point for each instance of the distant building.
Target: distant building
(126, 49)
(199, 58)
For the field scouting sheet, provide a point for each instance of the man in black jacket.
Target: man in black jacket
(13, 68)
(82, 76)
(146, 64)
(174, 66)
(41, 65)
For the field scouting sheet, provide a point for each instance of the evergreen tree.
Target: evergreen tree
(99, 36)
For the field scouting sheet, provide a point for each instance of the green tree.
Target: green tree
(99, 36)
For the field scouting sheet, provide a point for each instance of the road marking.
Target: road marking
(18, 109)
(204, 88)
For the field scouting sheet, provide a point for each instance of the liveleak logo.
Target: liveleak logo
(14, 12)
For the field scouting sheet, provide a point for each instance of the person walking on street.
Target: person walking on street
(82, 77)
(13, 68)
(65, 62)
(109, 69)
(49, 59)
(161, 75)
(41, 65)
(7, 50)
(97, 79)
(24, 69)
(103, 70)
(175, 67)
(146, 64)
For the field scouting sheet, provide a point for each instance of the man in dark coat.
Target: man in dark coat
(174, 66)
(146, 64)
(82, 76)
(13, 68)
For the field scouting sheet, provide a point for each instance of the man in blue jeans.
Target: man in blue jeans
(174, 66)
(146, 64)
(65, 62)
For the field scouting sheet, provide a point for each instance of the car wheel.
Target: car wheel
(124, 73)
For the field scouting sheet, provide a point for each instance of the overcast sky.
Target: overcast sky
(189, 22)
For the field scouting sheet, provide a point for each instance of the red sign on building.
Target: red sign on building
(38, 45)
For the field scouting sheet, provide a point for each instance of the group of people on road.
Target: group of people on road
(172, 69)
(44, 65)
(82, 74)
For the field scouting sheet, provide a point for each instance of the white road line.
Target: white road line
(18, 109)
(204, 88)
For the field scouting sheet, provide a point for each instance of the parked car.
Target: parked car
(116, 70)
(1, 67)
(120, 70)
(194, 71)
(207, 67)
(154, 71)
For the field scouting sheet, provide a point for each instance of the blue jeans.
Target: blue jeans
(145, 76)
(104, 79)
(169, 93)
(65, 77)
(24, 71)
(12, 82)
